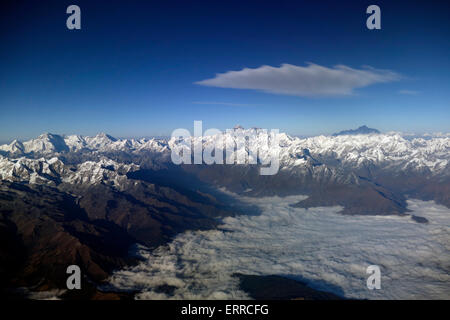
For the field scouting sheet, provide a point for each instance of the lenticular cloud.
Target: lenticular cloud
(327, 250)
(312, 80)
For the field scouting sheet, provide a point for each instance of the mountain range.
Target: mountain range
(85, 200)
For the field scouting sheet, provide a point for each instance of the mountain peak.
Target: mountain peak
(15, 142)
(361, 130)
(105, 136)
(47, 135)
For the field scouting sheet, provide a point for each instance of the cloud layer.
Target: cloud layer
(312, 80)
(326, 249)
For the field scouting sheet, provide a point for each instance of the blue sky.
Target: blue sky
(134, 67)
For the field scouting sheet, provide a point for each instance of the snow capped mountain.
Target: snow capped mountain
(13, 147)
(153, 145)
(51, 143)
(46, 143)
(365, 173)
(39, 171)
(104, 171)
(53, 171)
(100, 141)
(75, 142)
(386, 150)
(361, 130)
(132, 188)
(389, 151)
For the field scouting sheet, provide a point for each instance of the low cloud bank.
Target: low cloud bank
(327, 250)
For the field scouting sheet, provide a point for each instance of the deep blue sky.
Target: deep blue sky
(130, 70)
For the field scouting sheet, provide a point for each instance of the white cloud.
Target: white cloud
(312, 80)
(327, 249)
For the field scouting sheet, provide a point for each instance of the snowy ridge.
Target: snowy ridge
(430, 153)
(391, 151)
(384, 150)
(51, 143)
(30, 170)
(53, 171)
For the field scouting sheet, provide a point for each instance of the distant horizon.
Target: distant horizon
(3, 141)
